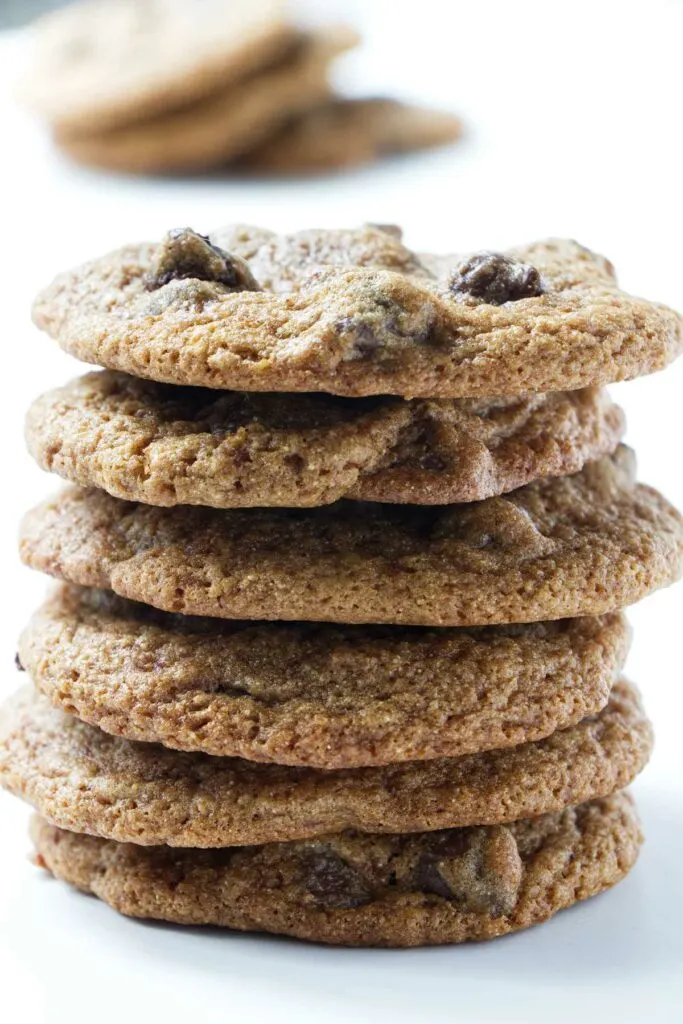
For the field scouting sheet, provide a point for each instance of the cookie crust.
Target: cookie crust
(165, 445)
(84, 780)
(356, 313)
(580, 545)
(328, 697)
(538, 866)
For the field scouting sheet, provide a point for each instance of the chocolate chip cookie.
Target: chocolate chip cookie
(85, 780)
(325, 696)
(97, 63)
(356, 313)
(343, 133)
(365, 890)
(579, 545)
(165, 445)
(216, 128)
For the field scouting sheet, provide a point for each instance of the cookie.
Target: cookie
(347, 132)
(100, 63)
(580, 545)
(364, 890)
(356, 313)
(166, 445)
(218, 127)
(85, 780)
(325, 696)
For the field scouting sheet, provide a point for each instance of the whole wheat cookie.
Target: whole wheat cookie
(166, 445)
(347, 132)
(356, 313)
(324, 696)
(580, 545)
(100, 63)
(221, 126)
(85, 780)
(364, 890)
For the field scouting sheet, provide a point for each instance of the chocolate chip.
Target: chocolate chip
(17, 662)
(364, 339)
(477, 868)
(391, 324)
(432, 461)
(495, 278)
(185, 254)
(332, 882)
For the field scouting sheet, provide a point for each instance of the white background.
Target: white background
(574, 126)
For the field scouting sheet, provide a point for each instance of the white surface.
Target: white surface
(575, 129)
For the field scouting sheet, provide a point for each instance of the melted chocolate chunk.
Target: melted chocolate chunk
(185, 254)
(479, 869)
(18, 664)
(365, 340)
(494, 278)
(332, 882)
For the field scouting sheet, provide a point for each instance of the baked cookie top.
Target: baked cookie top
(99, 63)
(356, 313)
(166, 445)
(364, 890)
(219, 127)
(579, 545)
(342, 133)
(326, 696)
(85, 780)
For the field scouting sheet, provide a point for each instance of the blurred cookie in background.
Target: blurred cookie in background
(217, 128)
(97, 64)
(346, 132)
(173, 86)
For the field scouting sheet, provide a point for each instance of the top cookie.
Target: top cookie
(101, 63)
(356, 313)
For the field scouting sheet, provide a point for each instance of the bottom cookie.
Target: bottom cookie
(354, 889)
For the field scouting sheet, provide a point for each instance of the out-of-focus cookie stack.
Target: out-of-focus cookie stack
(337, 652)
(171, 87)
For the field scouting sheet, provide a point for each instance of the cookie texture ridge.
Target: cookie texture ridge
(345, 132)
(365, 890)
(218, 127)
(580, 545)
(165, 445)
(96, 64)
(324, 696)
(355, 312)
(85, 780)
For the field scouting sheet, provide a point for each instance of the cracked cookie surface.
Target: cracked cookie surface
(325, 696)
(365, 890)
(356, 313)
(570, 546)
(85, 780)
(165, 445)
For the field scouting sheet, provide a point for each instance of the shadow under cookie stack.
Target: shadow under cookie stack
(336, 649)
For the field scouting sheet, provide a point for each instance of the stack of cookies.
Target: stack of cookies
(337, 646)
(173, 86)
